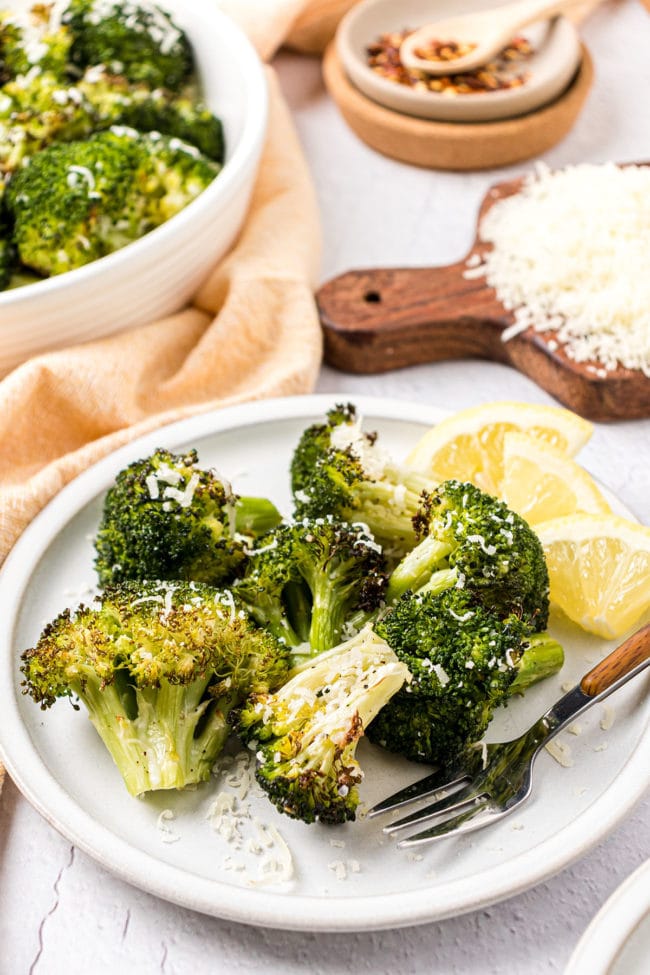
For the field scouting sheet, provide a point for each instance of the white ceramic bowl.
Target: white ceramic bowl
(551, 68)
(156, 275)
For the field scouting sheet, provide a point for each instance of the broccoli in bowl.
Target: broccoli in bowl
(102, 134)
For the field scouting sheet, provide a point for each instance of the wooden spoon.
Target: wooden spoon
(486, 31)
(387, 318)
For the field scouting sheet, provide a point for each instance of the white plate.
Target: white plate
(617, 942)
(61, 767)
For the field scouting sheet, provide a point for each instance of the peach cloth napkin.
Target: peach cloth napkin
(251, 332)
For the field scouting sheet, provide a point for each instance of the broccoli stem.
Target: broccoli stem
(440, 581)
(416, 568)
(255, 516)
(272, 618)
(388, 518)
(297, 601)
(543, 657)
(162, 747)
(327, 613)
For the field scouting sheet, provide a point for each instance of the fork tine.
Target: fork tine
(443, 779)
(480, 815)
(459, 800)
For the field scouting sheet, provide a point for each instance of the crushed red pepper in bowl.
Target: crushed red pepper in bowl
(444, 50)
(383, 56)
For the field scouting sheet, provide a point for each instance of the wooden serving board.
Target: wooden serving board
(387, 318)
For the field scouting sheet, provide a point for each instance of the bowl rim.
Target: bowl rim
(233, 172)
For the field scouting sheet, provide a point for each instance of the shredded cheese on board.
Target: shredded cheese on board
(571, 255)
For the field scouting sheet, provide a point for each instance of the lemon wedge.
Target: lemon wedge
(540, 483)
(599, 567)
(469, 444)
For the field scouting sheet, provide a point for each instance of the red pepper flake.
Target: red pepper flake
(384, 58)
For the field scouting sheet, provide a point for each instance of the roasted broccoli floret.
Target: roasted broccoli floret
(39, 110)
(28, 42)
(339, 470)
(7, 249)
(306, 580)
(174, 115)
(7, 261)
(464, 660)
(76, 202)
(306, 734)
(136, 39)
(158, 666)
(166, 518)
(471, 540)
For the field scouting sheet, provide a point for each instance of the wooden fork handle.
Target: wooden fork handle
(388, 318)
(617, 664)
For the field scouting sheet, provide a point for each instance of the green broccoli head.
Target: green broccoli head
(115, 100)
(175, 115)
(306, 734)
(136, 39)
(463, 660)
(158, 666)
(39, 110)
(340, 470)
(28, 41)
(7, 261)
(166, 518)
(315, 442)
(36, 111)
(75, 202)
(471, 540)
(306, 580)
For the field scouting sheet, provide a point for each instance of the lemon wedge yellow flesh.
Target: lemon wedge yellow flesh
(599, 568)
(469, 444)
(540, 483)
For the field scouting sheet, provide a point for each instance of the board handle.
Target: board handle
(387, 318)
(622, 661)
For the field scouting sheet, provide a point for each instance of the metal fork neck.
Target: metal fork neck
(576, 701)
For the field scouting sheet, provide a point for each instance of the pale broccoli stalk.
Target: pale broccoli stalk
(306, 734)
(158, 667)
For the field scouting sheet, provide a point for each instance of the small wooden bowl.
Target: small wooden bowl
(456, 145)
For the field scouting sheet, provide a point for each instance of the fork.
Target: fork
(499, 776)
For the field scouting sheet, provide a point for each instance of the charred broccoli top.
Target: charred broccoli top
(76, 202)
(464, 660)
(136, 39)
(471, 540)
(167, 518)
(304, 581)
(29, 42)
(339, 470)
(158, 666)
(307, 732)
(38, 111)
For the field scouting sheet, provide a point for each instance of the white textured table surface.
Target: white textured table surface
(59, 911)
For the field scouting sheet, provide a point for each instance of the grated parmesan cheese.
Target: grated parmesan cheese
(441, 674)
(560, 751)
(164, 824)
(571, 256)
(230, 817)
(608, 718)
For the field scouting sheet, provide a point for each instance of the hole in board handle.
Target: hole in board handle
(372, 297)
